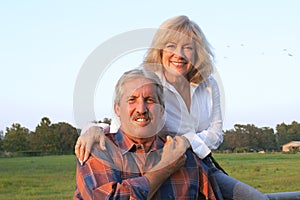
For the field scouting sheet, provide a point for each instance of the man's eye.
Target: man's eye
(131, 100)
(151, 100)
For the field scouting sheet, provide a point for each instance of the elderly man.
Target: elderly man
(137, 163)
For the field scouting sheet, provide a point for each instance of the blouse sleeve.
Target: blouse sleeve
(203, 142)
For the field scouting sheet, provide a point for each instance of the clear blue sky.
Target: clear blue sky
(43, 45)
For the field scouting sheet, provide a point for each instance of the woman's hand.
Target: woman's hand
(173, 154)
(172, 159)
(187, 142)
(85, 142)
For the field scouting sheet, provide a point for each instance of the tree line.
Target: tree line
(48, 138)
(61, 138)
(251, 138)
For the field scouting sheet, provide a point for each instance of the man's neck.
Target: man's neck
(146, 142)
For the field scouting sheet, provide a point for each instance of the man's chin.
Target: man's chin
(144, 132)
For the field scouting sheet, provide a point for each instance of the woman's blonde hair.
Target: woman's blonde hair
(172, 30)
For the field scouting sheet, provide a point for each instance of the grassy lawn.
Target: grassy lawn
(266, 172)
(47, 177)
(53, 177)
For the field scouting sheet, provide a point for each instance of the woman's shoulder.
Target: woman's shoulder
(212, 79)
(210, 82)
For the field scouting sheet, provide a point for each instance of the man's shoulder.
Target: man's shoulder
(111, 137)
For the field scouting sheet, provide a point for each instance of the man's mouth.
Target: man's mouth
(142, 120)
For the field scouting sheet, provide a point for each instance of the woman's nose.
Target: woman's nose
(179, 51)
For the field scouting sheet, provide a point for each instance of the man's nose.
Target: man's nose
(141, 107)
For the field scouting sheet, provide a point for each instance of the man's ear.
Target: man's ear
(117, 109)
(162, 110)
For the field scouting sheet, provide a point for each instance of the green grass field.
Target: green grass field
(53, 177)
(47, 177)
(266, 172)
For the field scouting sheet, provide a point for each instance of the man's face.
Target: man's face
(139, 109)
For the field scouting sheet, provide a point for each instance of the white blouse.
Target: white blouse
(202, 126)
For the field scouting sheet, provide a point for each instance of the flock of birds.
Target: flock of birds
(262, 53)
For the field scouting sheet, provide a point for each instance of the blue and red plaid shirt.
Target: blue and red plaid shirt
(118, 173)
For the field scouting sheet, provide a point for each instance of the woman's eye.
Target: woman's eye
(170, 46)
(188, 47)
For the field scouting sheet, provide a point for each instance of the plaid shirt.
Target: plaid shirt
(118, 173)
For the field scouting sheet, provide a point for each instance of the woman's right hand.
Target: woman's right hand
(173, 155)
(86, 140)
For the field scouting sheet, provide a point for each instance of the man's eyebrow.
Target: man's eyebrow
(132, 95)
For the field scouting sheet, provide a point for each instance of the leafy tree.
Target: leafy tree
(252, 135)
(287, 133)
(267, 140)
(281, 135)
(241, 136)
(65, 136)
(294, 131)
(106, 120)
(16, 138)
(233, 139)
(230, 140)
(43, 138)
(1, 138)
(249, 137)
(53, 138)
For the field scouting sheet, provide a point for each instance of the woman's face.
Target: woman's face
(178, 57)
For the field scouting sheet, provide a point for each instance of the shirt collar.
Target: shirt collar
(126, 144)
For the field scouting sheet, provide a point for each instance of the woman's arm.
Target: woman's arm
(210, 138)
(90, 134)
(94, 132)
(99, 178)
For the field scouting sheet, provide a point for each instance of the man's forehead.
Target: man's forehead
(140, 85)
(137, 83)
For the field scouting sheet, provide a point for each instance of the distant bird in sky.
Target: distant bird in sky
(289, 54)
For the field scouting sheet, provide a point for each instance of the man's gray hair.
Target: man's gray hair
(139, 73)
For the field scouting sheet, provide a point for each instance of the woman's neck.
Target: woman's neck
(181, 84)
